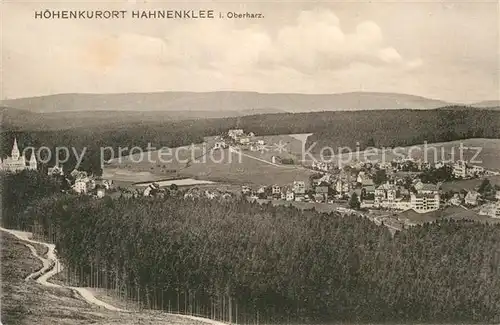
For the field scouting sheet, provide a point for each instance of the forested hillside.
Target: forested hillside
(222, 101)
(333, 129)
(242, 261)
(405, 127)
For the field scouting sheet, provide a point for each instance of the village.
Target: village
(399, 185)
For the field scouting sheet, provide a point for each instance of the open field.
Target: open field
(199, 162)
(468, 184)
(292, 142)
(129, 176)
(194, 162)
(451, 213)
(178, 182)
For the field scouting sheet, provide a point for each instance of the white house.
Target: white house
(107, 183)
(244, 140)
(456, 200)
(220, 145)
(55, 171)
(80, 186)
(101, 192)
(385, 195)
(402, 204)
(471, 198)
(299, 187)
(491, 210)
(342, 186)
(426, 199)
(422, 203)
(475, 170)
(460, 169)
(234, 133)
(367, 204)
(439, 165)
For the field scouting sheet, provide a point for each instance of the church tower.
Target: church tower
(15, 151)
(33, 164)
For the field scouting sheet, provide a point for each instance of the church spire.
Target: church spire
(33, 164)
(15, 150)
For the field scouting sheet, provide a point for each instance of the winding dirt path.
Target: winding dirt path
(52, 266)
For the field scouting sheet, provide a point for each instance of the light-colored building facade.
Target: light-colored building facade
(55, 171)
(101, 192)
(80, 186)
(221, 144)
(422, 203)
(276, 189)
(234, 133)
(426, 199)
(460, 169)
(17, 162)
(342, 186)
(456, 199)
(471, 198)
(491, 209)
(385, 195)
(299, 187)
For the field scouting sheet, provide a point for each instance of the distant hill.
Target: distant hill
(20, 119)
(222, 102)
(488, 104)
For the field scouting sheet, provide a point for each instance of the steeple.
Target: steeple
(33, 163)
(15, 150)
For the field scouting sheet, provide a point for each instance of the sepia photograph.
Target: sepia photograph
(255, 162)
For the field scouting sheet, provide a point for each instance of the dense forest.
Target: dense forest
(248, 263)
(405, 127)
(380, 128)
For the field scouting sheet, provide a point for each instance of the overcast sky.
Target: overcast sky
(445, 50)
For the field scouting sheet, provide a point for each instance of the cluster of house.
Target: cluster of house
(421, 197)
(473, 199)
(82, 183)
(156, 191)
(492, 209)
(396, 192)
(17, 162)
(295, 192)
(408, 164)
(85, 184)
(240, 139)
(462, 169)
(152, 190)
(196, 192)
